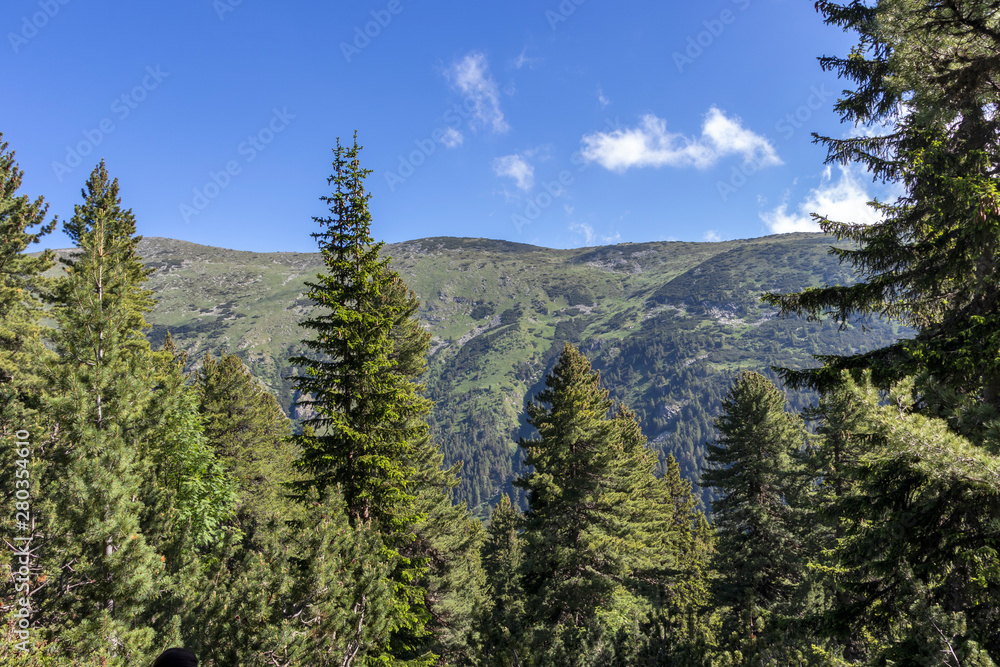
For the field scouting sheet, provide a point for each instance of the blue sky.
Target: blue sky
(563, 124)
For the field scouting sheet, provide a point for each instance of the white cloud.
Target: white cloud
(585, 229)
(712, 236)
(845, 200)
(452, 138)
(650, 145)
(516, 167)
(524, 61)
(471, 76)
(602, 99)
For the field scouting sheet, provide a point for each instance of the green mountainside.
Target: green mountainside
(668, 324)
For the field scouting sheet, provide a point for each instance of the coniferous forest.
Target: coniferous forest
(148, 507)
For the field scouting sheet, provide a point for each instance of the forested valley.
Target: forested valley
(844, 509)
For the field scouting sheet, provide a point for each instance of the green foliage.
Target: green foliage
(347, 605)
(605, 541)
(446, 540)
(22, 223)
(188, 477)
(571, 568)
(758, 557)
(250, 436)
(130, 486)
(917, 558)
(931, 263)
(363, 407)
(101, 564)
(502, 630)
(20, 289)
(368, 441)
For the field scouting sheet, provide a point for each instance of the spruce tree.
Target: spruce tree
(757, 546)
(362, 408)
(503, 615)
(365, 410)
(596, 530)
(925, 76)
(569, 571)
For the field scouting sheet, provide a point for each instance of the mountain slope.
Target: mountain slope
(669, 325)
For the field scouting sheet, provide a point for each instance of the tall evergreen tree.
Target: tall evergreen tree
(757, 556)
(926, 78)
(22, 224)
(503, 615)
(596, 526)
(251, 436)
(101, 564)
(362, 408)
(132, 488)
(366, 411)
(925, 75)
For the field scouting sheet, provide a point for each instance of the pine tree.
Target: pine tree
(249, 618)
(101, 565)
(502, 631)
(344, 591)
(595, 530)
(757, 549)
(132, 488)
(20, 284)
(694, 545)
(251, 436)
(569, 573)
(366, 409)
(363, 407)
(926, 80)
(22, 223)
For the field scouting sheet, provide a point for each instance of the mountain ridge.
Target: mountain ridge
(668, 323)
